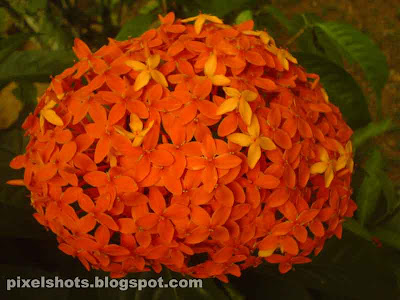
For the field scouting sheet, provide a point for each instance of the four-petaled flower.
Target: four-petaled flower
(200, 20)
(346, 158)
(47, 113)
(326, 166)
(254, 141)
(147, 71)
(137, 132)
(238, 100)
(209, 70)
(208, 158)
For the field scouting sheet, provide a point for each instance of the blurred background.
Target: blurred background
(359, 65)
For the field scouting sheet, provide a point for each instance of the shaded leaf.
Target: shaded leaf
(388, 188)
(34, 5)
(359, 48)
(11, 44)
(374, 162)
(135, 27)
(233, 293)
(150, 6)
(356, 228)
(327, 47)
(35, 65)
(367, 198)
(373, 129)
(26, 92)
(18, 222)
(388, 236)
(54, 34)
(341, 87)
(244, 16)
(281, 18)
(220, 8)
(345, 266)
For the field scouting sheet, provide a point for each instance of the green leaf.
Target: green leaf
(277, 14)
(219, 8)
(374, 163)
(148, 7)
(373, 129)
(4, 20)
(35, 65)
(244, 16)
(18, 222)
(11, 44)
(355, 227)
(34, 5)
(26, 92)
(341, 87)
(135, 27)
(388, 236)
(359, 48)
(265, 282)
(327, 47)
(233, 293)
(367, 198)
(370, 190)
(53, 33)
(388, 188)
(12, 143)
(345, 266)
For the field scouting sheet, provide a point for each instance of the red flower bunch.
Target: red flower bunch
(190, 139)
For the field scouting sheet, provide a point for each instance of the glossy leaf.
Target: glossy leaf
(389, 191)
(35, 65)
(11, 44)
(359, 48)
(244, 16)
(356, 228)
(221, 8)
(135, 27)
(367, 198)
(388, 236)
(277, 14)
(373, 129)
(341, 87)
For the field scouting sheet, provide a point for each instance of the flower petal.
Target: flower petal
(241, 139)
(253, 155)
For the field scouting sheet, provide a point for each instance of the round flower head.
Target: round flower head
(196, 138)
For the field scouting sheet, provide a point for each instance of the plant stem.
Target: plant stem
(300, 32)
(164, 6)
(296, 36)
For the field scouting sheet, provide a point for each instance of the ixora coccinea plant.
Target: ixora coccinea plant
(192, 138)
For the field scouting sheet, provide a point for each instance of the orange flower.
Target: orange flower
(209, 160)
(147, 71)
(47, 113)
(137, 132)
(325, 166)
(238, 100)
(346, 158)
(254, 141)
(209, 70)
(132, 172)
(200, 20)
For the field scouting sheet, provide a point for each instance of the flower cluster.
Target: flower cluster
(201, 147)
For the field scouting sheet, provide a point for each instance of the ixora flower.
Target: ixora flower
(195, 138)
